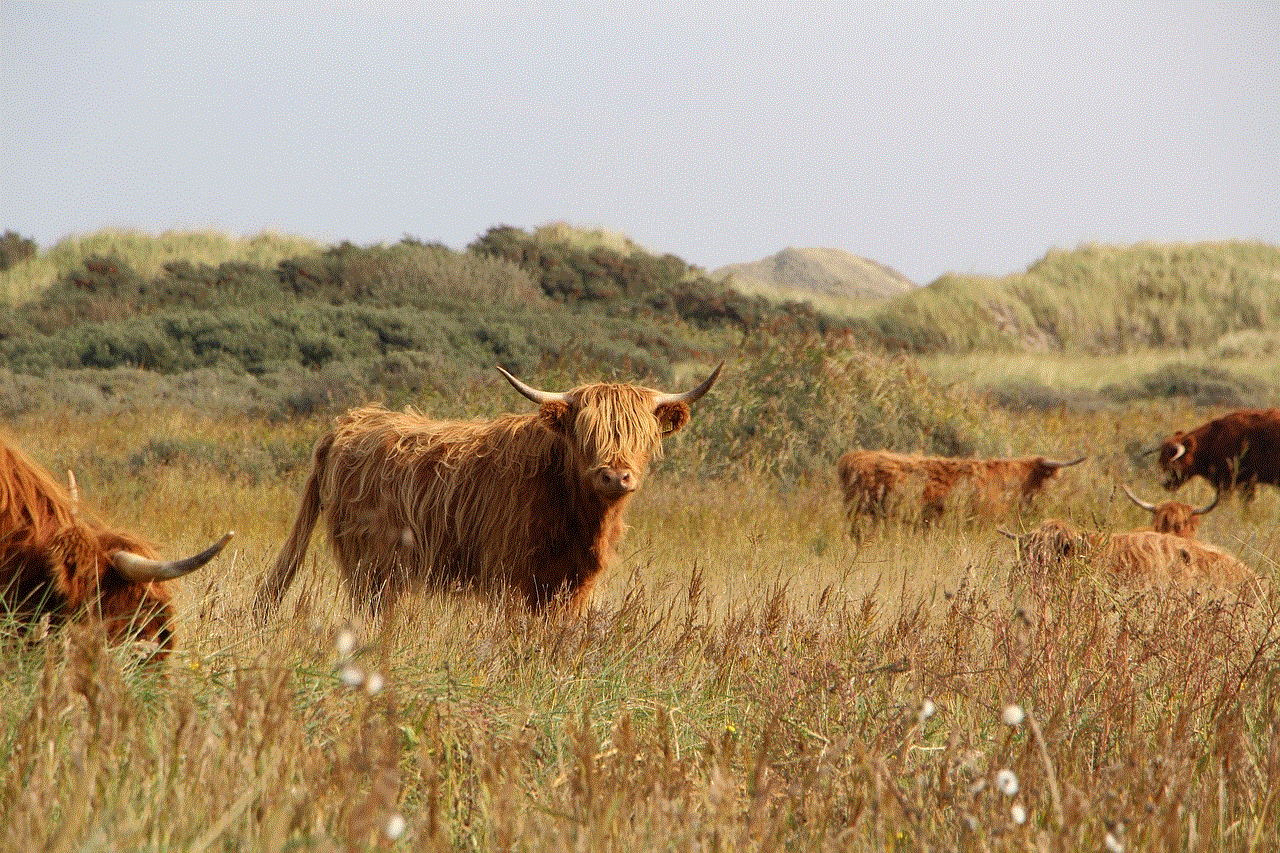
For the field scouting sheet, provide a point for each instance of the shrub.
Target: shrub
(14, 249)
(1202, 385)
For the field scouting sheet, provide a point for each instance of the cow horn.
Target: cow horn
(1182, 448)
(690, 396)
(142, 569)
(1216, 494)
(534, 394)
(1055, 464)
(1149, 507)
(1149, 451)
(1004, 532)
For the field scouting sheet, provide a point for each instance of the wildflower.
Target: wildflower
(1018, 814)
(395, 826)
(1007, 782)
(351, 676)
(373, 683)
(346, 642)
(1013, 715)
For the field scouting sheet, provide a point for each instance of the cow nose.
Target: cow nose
(616, 481)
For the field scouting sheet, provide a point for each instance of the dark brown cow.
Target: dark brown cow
(1173, 516)
(878, 483)
(1238, 449)
(532, 502)
(58, 562)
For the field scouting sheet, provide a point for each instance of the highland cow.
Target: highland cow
(1174, 517)
(531, 503)
(1238, 449)
(59, 563)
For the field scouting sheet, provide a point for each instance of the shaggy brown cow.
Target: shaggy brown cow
(530, 502)
(1238, 449)
(877, 483)
(1173, 516)
(1141, 557)
(57, 562)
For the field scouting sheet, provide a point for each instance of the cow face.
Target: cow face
(1176, 456)
(612, 432)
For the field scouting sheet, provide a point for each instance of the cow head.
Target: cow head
(611, 432)
(1177, 454)
(1173, 516)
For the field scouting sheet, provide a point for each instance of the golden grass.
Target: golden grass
(750, 681)
(147, 254)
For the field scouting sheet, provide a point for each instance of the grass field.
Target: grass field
(750, 680)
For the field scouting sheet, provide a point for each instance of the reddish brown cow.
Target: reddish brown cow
(878, 483)
(1238, 449)
(1137, 558)
(1173, 516)
(58, 562)
(532, 502)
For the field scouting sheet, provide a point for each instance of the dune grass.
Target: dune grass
(147, 254)
(750, 680)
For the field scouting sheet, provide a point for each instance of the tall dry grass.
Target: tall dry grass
(751, 680)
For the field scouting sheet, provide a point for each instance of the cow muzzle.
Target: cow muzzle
(613, 482)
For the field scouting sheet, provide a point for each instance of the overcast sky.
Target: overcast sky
(931, 138)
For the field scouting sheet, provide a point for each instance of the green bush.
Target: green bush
(14, 249)
(1202, 385)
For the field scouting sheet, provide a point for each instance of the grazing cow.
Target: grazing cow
(532, 502)
(1238, 449)
(1141, 557)
(878, 482)
(1173, 516)
(58, 562)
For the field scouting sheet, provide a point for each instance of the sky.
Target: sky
(933, 138)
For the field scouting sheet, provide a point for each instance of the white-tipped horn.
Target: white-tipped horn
(74, 490)
(1004, 532)
(1182, 448)
(1052, 463)
(534, 394)
(141, 569)
(691, 395)
(1202, 510)
(1149, 507)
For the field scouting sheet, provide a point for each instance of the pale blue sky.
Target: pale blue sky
(932, 138)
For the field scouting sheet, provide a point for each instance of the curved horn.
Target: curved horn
(1182, 448)
(1202, 510)
(690, 396)
(1004, 532)
(1055, 464)
(1149, 451)
(142, 569)
(534, 394)
(1149, 507)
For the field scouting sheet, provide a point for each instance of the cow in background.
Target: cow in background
(1238, 449)
(1136, 558)
(1174, 517)
(878, 483)
(532, 503)
(60, 563)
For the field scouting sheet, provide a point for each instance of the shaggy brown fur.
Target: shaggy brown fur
(878, 483)
(530, 502)
(1173, 517)
(1238, 449)
(58, 562)
(1141, 557)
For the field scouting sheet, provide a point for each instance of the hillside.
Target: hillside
(829, 274)
(1094, 299)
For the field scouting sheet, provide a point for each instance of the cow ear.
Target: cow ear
(672, 416)
(555, 416)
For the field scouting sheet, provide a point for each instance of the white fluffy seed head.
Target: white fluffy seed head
(927, 709)
(373, 683)
(1115, 845)
(1013, 715)
(395, 826)
(346, 642)
(1018, 814)
(1007, 782)
(351, 675)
